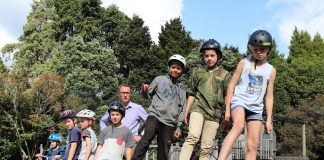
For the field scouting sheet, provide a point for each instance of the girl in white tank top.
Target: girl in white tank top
(251, 83)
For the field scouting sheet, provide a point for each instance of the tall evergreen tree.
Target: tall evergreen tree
(281, 95)
(79, 17)
(133, 51)
(174, 39)
(38, 39)
(114, 23)
(69, 13)
(318, 45)
(305, 68)
(300, 44)
(89, 25)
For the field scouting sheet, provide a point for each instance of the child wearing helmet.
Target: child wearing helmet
(89, 139)
(73, 145)
(166, 110)
(205, 101)
(55, 151)
(252, 82)
(115, 140)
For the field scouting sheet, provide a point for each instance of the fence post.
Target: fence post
(261, 141)
(304, 140)
(271, 145)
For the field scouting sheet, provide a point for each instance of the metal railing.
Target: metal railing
(266, 150)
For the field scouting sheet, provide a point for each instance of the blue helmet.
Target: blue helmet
(55, 137)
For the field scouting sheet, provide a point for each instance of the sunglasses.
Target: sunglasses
(258, 49)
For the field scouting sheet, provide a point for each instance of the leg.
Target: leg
(238, 117)
(165, 135)
(253, 135)
(208, 139)
(195, 125)
(151, 127)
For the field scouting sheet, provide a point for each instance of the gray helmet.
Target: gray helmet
(86, 114)
(116, 106)
(212, 44)
(70, 113)
(260, 38)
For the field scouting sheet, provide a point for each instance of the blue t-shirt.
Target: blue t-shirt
(74, 136)
(51, 153)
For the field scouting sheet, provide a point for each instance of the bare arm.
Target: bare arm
(72, 150)
(58, 156)
(190, 100)
(98, 150)
(88, 148)
(128, 153)
(230, 91)
(270, 99)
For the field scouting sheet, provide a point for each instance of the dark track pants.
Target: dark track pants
(164, 137)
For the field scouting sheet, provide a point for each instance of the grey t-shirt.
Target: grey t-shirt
(168, 101)
(88, 133)
(115, 133)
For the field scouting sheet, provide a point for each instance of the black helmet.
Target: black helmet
(70, 113)
(116, 106)
(212, 44)
(260, 38)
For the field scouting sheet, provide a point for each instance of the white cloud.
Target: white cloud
(6, 38)
(155, 13)
(12, 18)
(305, 15)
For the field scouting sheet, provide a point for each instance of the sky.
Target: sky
(228, 21)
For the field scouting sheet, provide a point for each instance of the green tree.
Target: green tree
(305, 68)
(38, 39)
(2, 66)
(174, 39)
(89, 25)
(318, 45)
(230, 58)
(300, 44)
(47, 91)
(114, 23)
(310, 113)
(69, 13)
(90, 69)
(14, 111)
(281, 95)
(154, 65)
(27, 113)
(79, 17)
(133, 52)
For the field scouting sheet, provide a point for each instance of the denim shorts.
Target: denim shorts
(249, 115)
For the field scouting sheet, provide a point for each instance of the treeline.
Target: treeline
(73, 54)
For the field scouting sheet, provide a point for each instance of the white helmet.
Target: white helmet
(86, 114)
(179, 58)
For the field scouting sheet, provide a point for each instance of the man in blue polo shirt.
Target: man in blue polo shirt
(135, 113)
